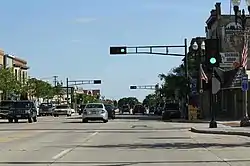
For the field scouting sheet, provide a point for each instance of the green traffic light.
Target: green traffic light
(212, 60)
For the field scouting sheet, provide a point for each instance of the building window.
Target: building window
(20, 75)
(16, 74)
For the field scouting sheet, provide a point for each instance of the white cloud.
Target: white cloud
(84, 20)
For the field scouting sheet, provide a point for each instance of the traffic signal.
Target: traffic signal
(133, 87)
(97, 81)
(118, 50)
(212, 53)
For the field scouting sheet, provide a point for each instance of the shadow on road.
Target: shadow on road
(154, 138)
(82, 122)
(178, 145)
(136, 117)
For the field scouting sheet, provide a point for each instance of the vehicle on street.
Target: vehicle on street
(5, 106)
(139, 108)
(23, 109)
(46, 109)
(95, 111)
(62, 110)
(125, 108)
(171, 110)
(111, 110)
(82, 106)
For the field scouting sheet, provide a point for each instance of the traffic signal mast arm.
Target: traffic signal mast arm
(82, 82)
(141, 50)
(151, 87)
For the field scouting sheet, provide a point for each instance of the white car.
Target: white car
(95, 111)
(62, 110)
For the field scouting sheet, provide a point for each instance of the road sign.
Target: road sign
(215, 85)
(244, 82)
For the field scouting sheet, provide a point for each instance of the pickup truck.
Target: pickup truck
(23, 109)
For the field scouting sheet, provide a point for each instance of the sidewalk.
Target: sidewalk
(222, 128)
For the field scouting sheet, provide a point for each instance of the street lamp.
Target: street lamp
(199, 52)
(243, 18)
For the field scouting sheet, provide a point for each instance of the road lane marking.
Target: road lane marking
(66, 151)
(62, 153)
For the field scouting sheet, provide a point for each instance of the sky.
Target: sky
(71, 38)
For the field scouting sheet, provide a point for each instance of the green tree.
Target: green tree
(150, 100)
(8, 82)
(131, 101)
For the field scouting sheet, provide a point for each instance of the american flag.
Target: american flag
(244, 54)
(203, 74)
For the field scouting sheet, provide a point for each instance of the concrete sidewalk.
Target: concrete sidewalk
(222, 129)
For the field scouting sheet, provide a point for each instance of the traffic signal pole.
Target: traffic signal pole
(79, 82)
(136, 50)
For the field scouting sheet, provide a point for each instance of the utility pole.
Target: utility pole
(55, 80)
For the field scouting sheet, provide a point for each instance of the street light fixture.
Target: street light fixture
(243, 18)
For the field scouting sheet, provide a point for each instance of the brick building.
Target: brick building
(229, 99)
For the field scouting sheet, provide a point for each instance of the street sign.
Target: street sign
(244, 82)
(215, 85)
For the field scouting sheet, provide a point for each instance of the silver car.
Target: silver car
(95, 111)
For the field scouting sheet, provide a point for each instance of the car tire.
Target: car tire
(16, 120)
(35, 119)
(30, 120)
(84, 121)
(105, 121)
(10, 120)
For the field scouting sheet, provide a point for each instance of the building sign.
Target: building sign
(229, 60)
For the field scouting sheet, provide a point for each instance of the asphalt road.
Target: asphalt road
(121, 142)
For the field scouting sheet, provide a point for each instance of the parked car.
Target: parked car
(95, 111)
(139, 109)
(23, 109)
(62, 110)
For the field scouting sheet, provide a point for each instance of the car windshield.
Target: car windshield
(125, 106)
(62, 107)
(94, 106)
(46, 105)
(22, 104)
(172, 106)
(6, 103)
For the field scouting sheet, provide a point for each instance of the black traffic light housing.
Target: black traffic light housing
(133, 87)
(212, 53)
(118, 50)
(97, 81)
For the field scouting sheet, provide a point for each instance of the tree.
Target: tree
(8, 82)
(150, 100)
(131, 101)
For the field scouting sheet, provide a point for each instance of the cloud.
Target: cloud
(84, 20)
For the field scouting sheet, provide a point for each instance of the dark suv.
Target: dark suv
(5, 106)
(125, 108)
(139, 109)
(23, 110)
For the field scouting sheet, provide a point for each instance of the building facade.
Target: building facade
(229, 99)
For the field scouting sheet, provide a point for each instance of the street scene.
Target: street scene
(94, 91)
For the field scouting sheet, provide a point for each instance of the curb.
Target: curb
(186, 121)
(240, 133)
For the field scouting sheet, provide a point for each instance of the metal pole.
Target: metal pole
(213, 123)
(67, 89)
(186, 72)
